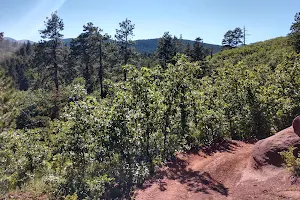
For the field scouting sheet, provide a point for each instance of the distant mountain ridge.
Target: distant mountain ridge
(142, 46)
(150, 45)
(17, 41)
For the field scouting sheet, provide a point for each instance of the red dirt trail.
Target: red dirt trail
(223, 174)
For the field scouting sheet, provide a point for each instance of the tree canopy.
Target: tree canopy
(295, 33)
(233, 38)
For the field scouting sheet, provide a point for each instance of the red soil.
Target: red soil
(224, 174)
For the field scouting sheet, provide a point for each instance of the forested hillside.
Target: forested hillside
(259, 85)
(96, 119)
(150, 45)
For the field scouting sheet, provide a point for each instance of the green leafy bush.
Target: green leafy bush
(292, 162)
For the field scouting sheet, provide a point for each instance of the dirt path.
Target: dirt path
(223, 174)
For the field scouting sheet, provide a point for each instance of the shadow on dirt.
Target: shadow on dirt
(221, 146)
(194, 180)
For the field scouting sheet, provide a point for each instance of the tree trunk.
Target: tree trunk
(88, 83)
(183, 112)
(56, 76)
(126, 58)
(166, 132)
(149, 156)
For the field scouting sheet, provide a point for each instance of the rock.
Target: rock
(296, 125)
(266, 151)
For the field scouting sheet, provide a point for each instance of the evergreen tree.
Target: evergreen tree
(23, 59)
(177, 45)
(198, 52)
(232, 38)
(28, 48)
(165, 49)
(84, 49)
(41, 61)
(100, 39)
(52, 43)
(188, 50)
(1, 36)
(112, 61)
(124, 40)
(295, 33)
(87, 48)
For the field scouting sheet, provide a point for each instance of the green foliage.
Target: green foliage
(292, 162)
(123, 37)
(71, 197)
(35, 113)
(52, 48)
(17, 65)
(149, 46)
(295, 33)
(7, 95)
(165, 49)
(107, 140)
(257, 87)
(86, 49)
(198, 50)
(22, 157)
(232, 38)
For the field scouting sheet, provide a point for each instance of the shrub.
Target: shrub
(292, 162)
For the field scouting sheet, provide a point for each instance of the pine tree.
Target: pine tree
(188, 50)
(124, 40)
(100, 39)
(198, 52)
(295, 33)
(165, 49)
(84, 49)
(87, 48)
(177, 45)
(41, 61)
(233, 38)
(1, 36)
(52, 43)
(112, 61)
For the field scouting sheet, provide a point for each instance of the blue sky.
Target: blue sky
(209, 19)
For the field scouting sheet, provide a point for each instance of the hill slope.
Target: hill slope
(150, 45)
(18, 41)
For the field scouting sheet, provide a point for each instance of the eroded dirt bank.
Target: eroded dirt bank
(222, 174)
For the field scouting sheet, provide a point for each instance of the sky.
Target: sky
(208, 19)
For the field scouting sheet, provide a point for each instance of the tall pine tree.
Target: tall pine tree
(52, 43)
(198, 52)
(188, 50)
(165, 49)
(124, 40)
(84, 49)
(100, 39)
(232, 38)
(295, 33)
